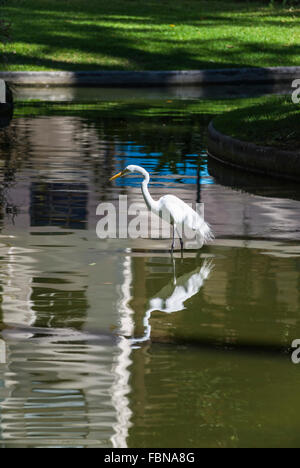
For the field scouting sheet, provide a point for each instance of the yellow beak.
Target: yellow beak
(116, 176)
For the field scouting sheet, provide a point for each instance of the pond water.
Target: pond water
(114, 343)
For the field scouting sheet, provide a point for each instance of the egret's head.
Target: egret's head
(127, 170)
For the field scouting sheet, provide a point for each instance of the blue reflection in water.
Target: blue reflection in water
(194, 166)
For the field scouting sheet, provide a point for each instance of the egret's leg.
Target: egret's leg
(181, 252)
(180, 238)
(173, 240)
(174, 269)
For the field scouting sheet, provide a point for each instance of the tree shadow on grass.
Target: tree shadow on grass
(274, 121)
(136, 36)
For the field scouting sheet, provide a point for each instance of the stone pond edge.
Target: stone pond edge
(152, 78)
(251, 157)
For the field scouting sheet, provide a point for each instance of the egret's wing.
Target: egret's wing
(174, 207)
(182, 214)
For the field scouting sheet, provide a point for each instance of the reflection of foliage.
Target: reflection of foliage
(10, 163)
(161, 136)
(65, 307)
(172, 128)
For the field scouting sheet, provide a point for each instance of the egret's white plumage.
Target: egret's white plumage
(172, 297)
(172, 209)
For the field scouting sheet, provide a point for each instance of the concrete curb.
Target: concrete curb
(248, 156)
(153, 78)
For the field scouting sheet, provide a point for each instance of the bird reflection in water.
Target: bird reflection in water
(173, 296)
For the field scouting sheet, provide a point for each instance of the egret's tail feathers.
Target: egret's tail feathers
(205, 232)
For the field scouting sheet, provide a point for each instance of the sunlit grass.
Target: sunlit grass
(149, 34)
(272, 121)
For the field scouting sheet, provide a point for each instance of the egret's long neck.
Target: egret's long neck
(151, 204)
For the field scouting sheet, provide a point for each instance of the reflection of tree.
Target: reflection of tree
(59, 204)
(246, 289)
(98, 141)
(173, 144)
(190, 398)
(205, 392)
(58, 307)
(14, 150)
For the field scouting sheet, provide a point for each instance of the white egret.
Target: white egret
(171, 209)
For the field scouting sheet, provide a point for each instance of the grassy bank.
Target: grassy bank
(149, 34)
(274, 121)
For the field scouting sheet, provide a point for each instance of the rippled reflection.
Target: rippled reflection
(91, 353)
(56, 388)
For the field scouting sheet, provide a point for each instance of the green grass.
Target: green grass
(149, 34)
(273, 121)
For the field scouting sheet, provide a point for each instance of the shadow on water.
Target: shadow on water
(173, 297)
(161, 285)
(212, 341)
(255, 184)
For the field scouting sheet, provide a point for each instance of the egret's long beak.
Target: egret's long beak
(116, 176)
